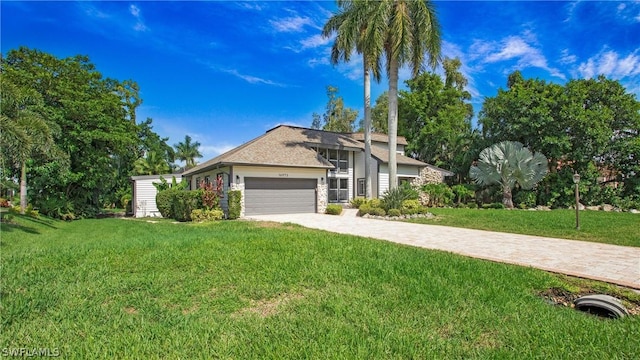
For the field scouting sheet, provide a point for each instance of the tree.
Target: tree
(405, 30)
(24, 132)
(90, 122)
(509, 163)
(380, 114)
(587, 126)
(350, 24)
(152, 164)
(336, 117)
(436, 118)
(188, 151)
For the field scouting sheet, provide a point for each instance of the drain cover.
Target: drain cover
(601, 305)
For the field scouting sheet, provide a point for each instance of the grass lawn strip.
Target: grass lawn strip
(115, 288)
(614, 228)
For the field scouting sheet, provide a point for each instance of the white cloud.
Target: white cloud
(252, 79)
(210, 151)
(139, 26)
(314, 41)
(611, 64)
(291, 24)
(513, 48)
(567, 58)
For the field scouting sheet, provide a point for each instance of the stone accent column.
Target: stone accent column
(322, 198)
(239, 187)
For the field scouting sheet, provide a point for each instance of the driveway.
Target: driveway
(611, 263)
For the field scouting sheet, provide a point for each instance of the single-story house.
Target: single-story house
(292, 169)
(143, 202)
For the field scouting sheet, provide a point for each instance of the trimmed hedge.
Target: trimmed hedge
(201, 215)
(235, 204)
(333, 209)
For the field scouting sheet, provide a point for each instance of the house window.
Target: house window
(338, 190)
(339, 159)
(360, 187)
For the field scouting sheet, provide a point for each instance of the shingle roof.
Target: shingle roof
(293, 147)
(378, 137)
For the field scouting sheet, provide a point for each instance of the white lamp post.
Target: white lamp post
(576, 180)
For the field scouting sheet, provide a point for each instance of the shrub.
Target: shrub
(357, 201)
(439, 194)
(525, 199)
(462, 193)
(364, 209)
(394, 212)
(333, 209)
(374, 203)
(184, 202)
(378, 212)
(393, 198)
(496, 205)
(164, 202)
(410, 207)
(235, 204)
(472, 205)
(4, 203)
(202, 215)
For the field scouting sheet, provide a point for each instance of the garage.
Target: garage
(279, 196)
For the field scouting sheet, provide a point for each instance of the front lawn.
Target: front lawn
(115, 288)
(617, 228)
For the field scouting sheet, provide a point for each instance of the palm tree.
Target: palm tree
(350, 25)
(188, 151)
(410, 30)
(509, 163)
(152, 164)
(24, 131)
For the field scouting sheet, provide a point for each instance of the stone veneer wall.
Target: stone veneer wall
(240, 187)
(322, 198)
(427, 176)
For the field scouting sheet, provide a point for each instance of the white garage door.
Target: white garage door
(279, 196)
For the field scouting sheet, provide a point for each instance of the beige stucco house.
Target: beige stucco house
(293, 169)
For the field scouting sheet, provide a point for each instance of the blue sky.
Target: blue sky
(224, 72)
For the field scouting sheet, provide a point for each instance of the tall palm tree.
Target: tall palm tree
(412, 30)
(152, 164)
(24, 131)
(509, 163)
(188, 151)
(350, 25)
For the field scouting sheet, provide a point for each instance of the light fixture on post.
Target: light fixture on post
(237, 179)
(322, 180)
(576, 180)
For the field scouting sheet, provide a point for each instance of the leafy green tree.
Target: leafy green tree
(188, 151)
(405, 31)
(436, 118)
(509, 163)
(90, 122)
(380, 114)
(590, 126)
(336, 117)
(25, 133)
(350, 24)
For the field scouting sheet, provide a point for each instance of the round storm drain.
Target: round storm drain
(601, 305)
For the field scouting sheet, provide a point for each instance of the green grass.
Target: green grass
(597, 226)
(116, 288)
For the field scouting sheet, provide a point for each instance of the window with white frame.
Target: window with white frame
(338, 190)
(339, 159)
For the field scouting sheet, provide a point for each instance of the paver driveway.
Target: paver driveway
(610, 263)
